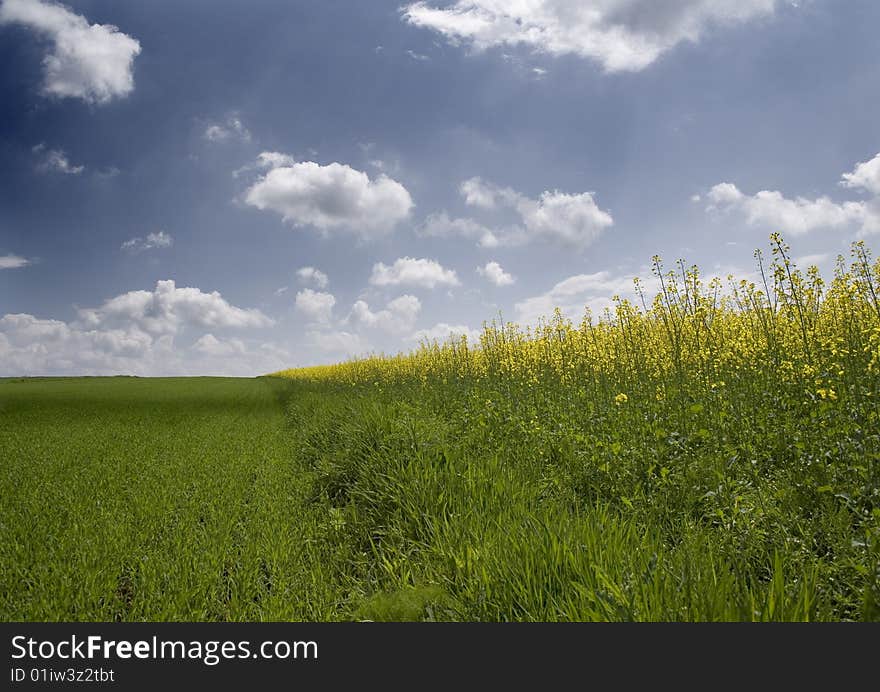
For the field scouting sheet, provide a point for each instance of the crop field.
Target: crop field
(158, 499)
(709, 454)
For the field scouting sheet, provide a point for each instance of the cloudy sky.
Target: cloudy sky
(214, 187)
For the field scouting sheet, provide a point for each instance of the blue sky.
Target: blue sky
(231, 188)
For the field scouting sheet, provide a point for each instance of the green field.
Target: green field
(261, 499)
(160, 499)
(497, 501)
(710, 455)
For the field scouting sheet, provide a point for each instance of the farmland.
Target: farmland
(160, 499)
(711, 454)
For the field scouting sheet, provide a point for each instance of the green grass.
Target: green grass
(482, 500)
(156, 499)
(711, 455)
(266, 499)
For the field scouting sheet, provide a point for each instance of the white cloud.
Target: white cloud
(30, 346)
(865, 176)
(135, 333)
(231, 128)
(329, 197)
(210, 345)
(274, 159)
(310, 275)
(494, 273)
(443, 332)
(231, 357)
(315, 305)
(771, 210)
(92, 62)
(621, 35)
(413, 272)
(22, 329)
(167, 309)
(576, 293)
(216, 133)
(801, 215)
(55, 161)
(333, 344)
(574, 220)
(418, 57)
(440, 225)
(478, 193)
(265, 161)
(399, 315)
(153, 241)
(13, 262)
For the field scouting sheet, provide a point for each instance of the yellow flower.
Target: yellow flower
(621, 399)
(827, 394)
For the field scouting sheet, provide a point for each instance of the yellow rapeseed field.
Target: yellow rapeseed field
(791, 325)
(708, 453)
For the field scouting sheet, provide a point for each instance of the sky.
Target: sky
(228, 188)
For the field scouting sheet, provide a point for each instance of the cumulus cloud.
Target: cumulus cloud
(399, 315)
(442, 332)
(13, 262)
(55, 161)
(210, 345)
(337, 343)
(576, 293)
(409, 271)
(92, 62)
(231, 128)
(772, 210)
(621, 35)
(137, 333)
(478, 193)
(865, 176)
(310, 275)
(574, 220)
(315, 305)
(22, 329)
(494, 273)
(152, 241)
(442, 226)
(335, 196)
(167, 309)
(265, 161)
(274, 159)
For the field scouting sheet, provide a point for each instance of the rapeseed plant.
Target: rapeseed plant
(712, 452)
